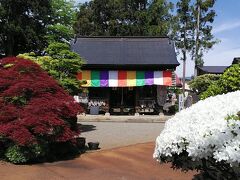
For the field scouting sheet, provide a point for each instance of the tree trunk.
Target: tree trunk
(10, 45)
(184, 71)
(184, 57)
(197, 39)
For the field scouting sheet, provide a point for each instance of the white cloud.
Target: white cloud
(226, 26)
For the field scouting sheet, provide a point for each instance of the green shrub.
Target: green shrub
(201, 83)
(22, 154)
(16, 154)
(228, 82)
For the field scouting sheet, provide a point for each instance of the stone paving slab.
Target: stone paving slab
(129, 119)
(133, 162)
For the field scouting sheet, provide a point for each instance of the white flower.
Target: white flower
(203, 131)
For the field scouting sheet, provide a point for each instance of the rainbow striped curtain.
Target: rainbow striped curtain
(125, 78)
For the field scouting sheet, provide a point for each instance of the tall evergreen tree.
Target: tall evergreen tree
(159, 17)
(23, 25)
(192, 30)
(203, 14)
(123, 18)
(183, 32)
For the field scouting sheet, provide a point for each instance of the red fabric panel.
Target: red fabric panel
(122, 78)
(167, 78)
(79, 76)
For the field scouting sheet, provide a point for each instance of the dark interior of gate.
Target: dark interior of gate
(124, 100)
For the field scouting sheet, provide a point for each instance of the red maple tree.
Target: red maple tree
(33, 107)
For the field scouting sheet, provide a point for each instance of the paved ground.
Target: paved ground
(119, 134)
(121, 157)
(127, 163)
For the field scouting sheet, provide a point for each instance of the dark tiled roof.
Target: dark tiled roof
(236, 60)
(213, 69)
(126, 51)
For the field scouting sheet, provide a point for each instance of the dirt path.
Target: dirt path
(127, 163)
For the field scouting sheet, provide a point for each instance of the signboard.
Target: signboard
(180, 102)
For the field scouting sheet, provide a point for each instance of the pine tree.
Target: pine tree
(191, 30)
(182, 32)
(203, 14)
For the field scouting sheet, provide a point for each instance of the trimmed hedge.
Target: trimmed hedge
(201, 83)
(228, 82)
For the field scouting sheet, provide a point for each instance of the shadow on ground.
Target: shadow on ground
(86, 127)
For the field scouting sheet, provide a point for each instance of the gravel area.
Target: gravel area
(119, 134)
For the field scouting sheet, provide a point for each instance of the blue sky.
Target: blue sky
(226, 28)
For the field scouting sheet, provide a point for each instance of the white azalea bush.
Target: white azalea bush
(205, 137)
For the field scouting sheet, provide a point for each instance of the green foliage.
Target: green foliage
(17, 100)
(8, 66)
(159, 18)
(175, 90)
(228, 82)
(123, 18)
(189, 35)
(61, 63)
(23, 25)
(21, 154)
(182, 27)
(30, 25)
(59, 33)
(16, 155)
(36, 153)
(63, 17)
(234, 117)
(201, 83)
(212, 90)
(203, 37)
